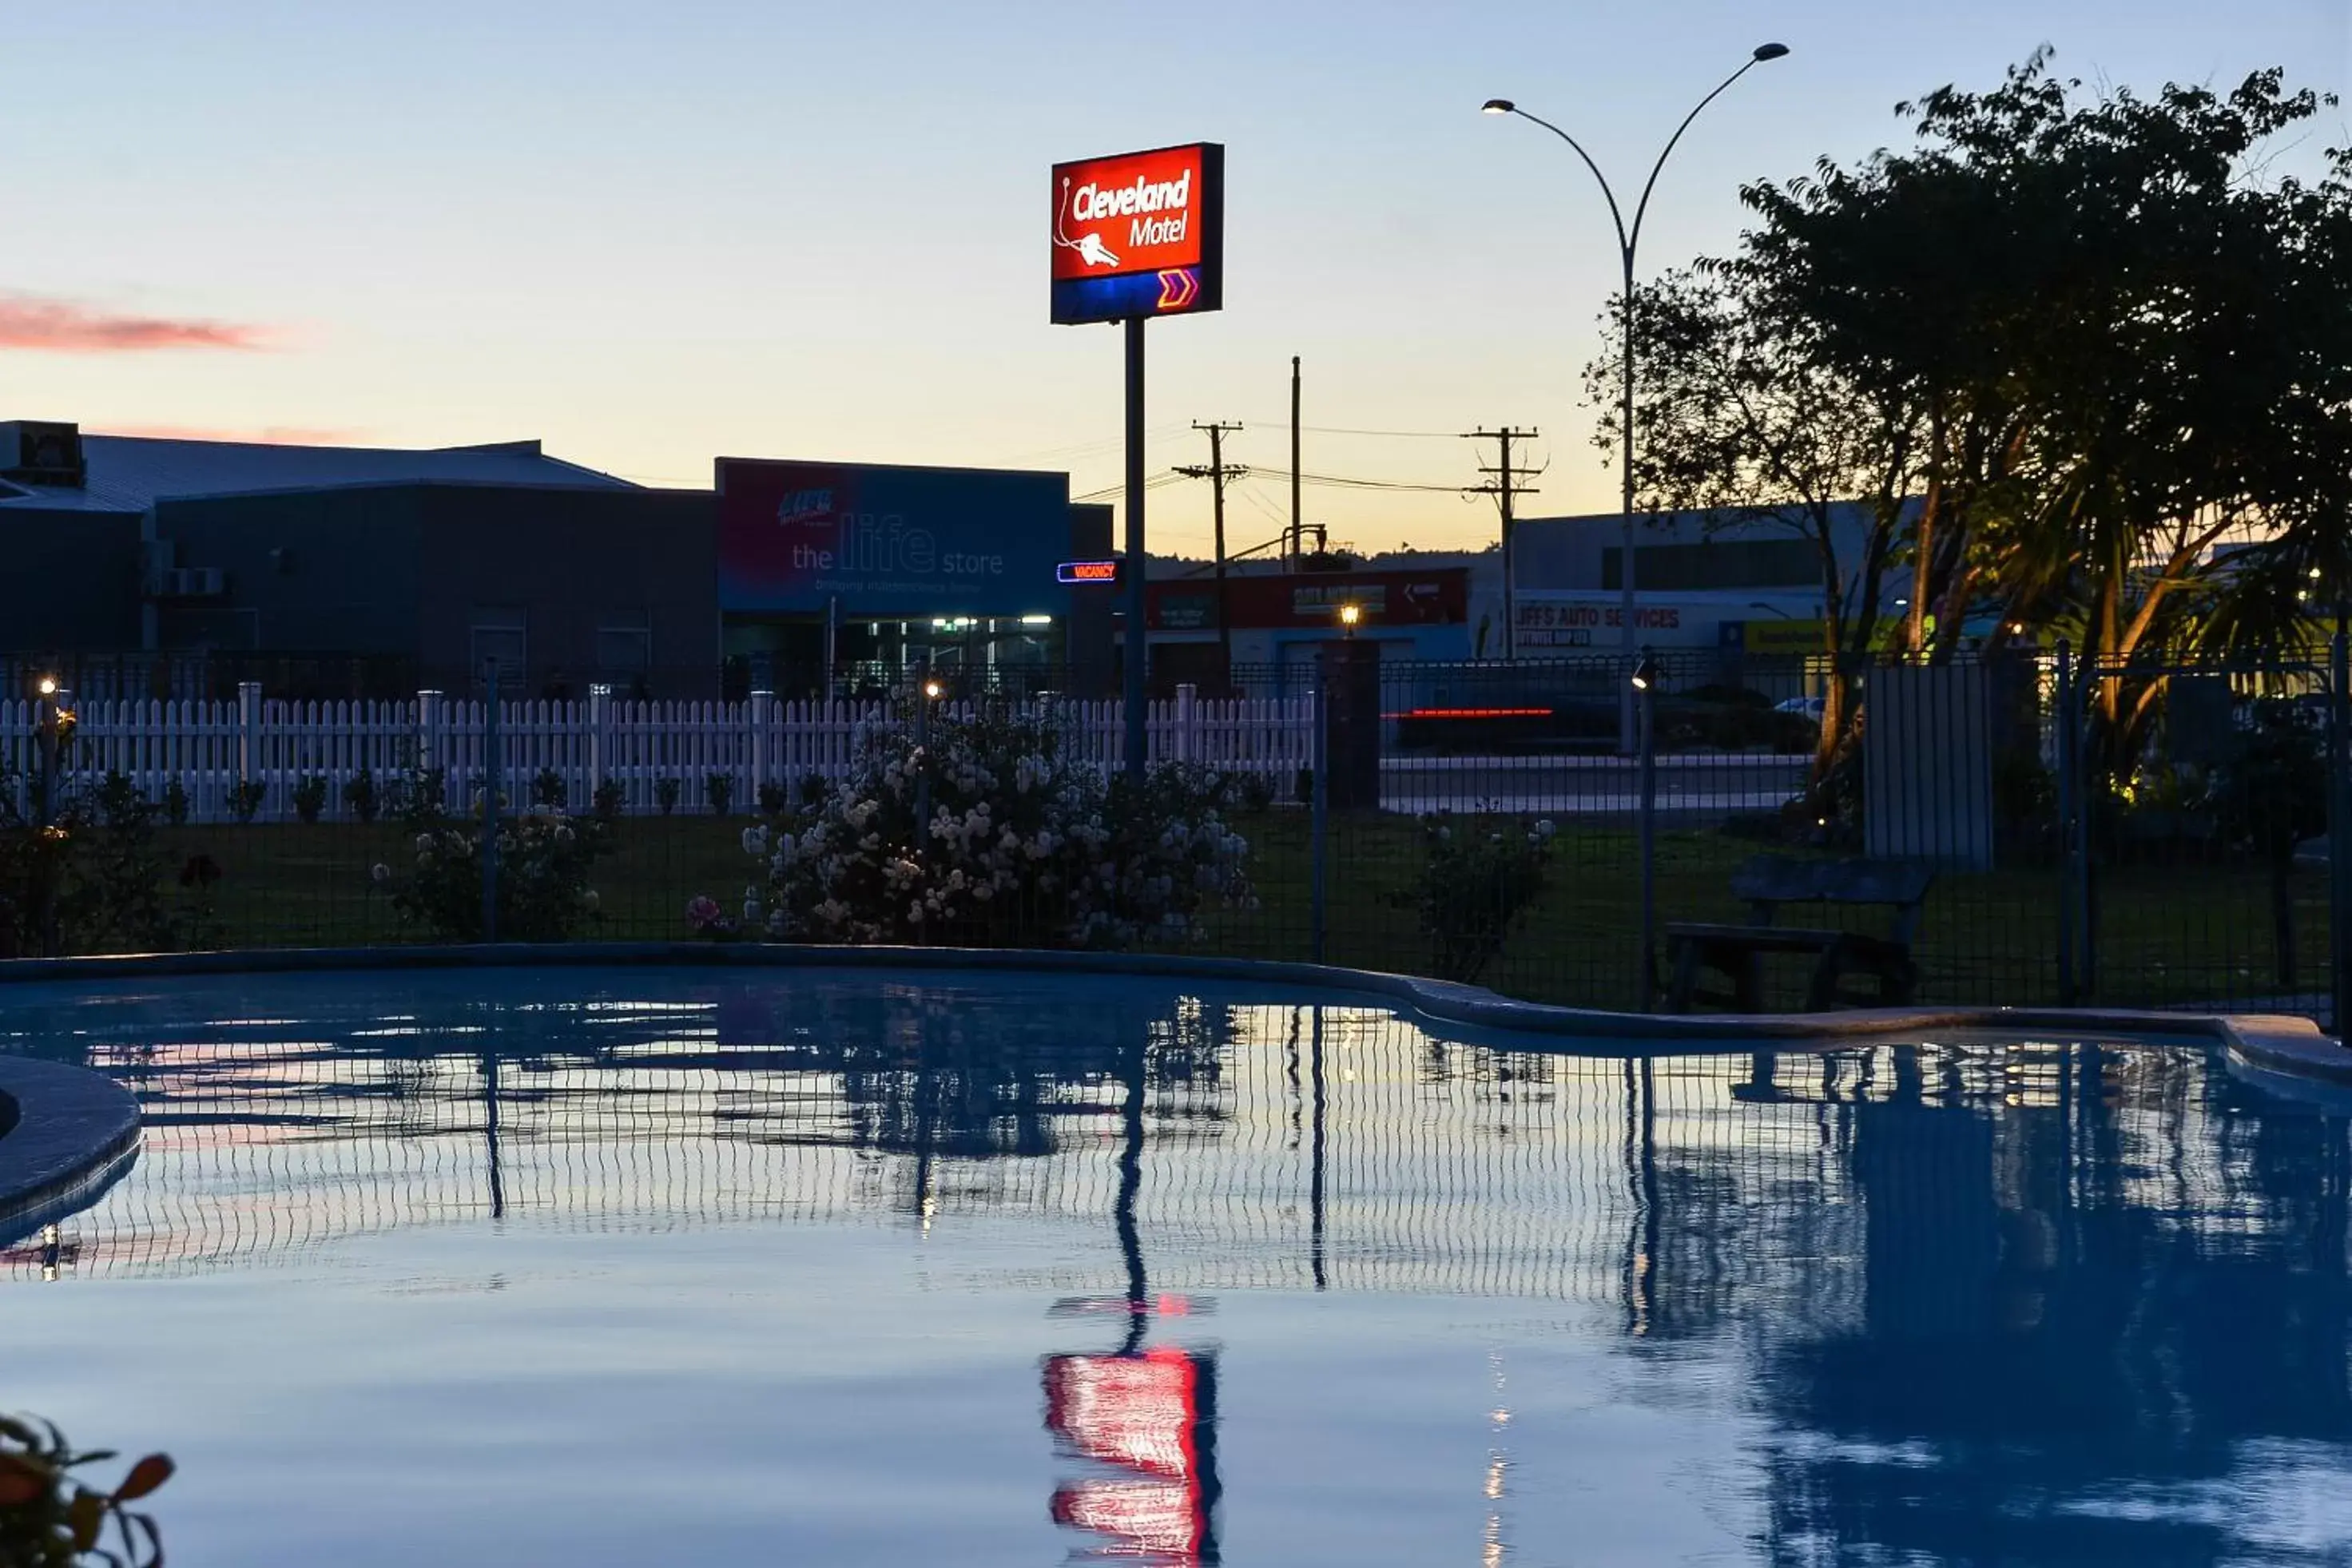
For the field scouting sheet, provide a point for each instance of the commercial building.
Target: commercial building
(1702, 580)
(849, 576)
(176, 567)
(144, 555)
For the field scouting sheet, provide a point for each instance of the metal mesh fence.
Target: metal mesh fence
(2153, 834)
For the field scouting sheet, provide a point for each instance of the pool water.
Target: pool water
(838, 1268)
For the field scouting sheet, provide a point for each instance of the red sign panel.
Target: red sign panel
(1139, 212)
(1141, 234)
(1440, 596)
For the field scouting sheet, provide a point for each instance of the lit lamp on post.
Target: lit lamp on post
(1627, 240)
(53, 726)
(1643, 688)
(1350, 613)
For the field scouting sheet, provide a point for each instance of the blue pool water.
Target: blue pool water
(825, 1267)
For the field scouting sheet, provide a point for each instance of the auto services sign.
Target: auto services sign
(1139, 234)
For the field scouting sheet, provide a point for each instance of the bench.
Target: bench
(1766, 883)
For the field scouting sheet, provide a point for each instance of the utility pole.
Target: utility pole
(1297, 534)
(1505, 486)
(1217, 473)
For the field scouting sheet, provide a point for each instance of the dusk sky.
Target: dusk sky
(653, 234)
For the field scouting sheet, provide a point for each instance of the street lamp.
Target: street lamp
(1350, 613)
(1627, 240)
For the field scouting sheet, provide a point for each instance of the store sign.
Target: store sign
(1075, 572)
(1436, 598)
(887, 541)
(1782, 637)
(1139, 234)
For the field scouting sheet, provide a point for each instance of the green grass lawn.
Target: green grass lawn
(2167, 934)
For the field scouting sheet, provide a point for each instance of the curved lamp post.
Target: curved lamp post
(1628, 239)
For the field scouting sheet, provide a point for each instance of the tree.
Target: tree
(2087, 333)
(1744, 419)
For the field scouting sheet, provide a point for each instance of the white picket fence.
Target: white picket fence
(210, 748)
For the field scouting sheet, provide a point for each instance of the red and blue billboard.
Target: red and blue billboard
(1139, 234)
(884, 542)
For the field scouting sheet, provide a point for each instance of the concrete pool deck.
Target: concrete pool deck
(78, 1129)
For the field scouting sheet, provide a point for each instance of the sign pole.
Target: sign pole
(1134, 688)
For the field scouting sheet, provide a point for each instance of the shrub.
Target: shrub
(310, 796)
(774, 799)
(416, 789)
(361, 798)
(543, 892)
(1020, 847)
(608, 801)
(93, 880)
(666, 790)
(719, 788)
(50, 1519)
(548, 790)
(245, 799)
(176, 803)
(1478, 877)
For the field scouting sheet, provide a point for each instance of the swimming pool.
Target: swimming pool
(613, 1267)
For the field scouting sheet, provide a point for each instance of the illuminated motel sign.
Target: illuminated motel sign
(1103, 573)
(1139, 234)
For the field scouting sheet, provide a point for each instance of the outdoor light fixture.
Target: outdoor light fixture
(1770, 51)
(1350, 613)
(1498, 106)
(48, 685)
(1645, 673)
(932, 689)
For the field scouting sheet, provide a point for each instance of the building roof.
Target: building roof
(132, 473)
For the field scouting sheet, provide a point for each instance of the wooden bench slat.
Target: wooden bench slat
(1768, 881)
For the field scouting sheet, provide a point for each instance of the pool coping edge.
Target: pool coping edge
(2291, 1045)
(77, 1132)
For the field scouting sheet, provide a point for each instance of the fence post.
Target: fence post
(430, 753)
(600, 743)
(1321, 773)
(2069, 808)
(249, 733)
(2339, 833)
(1187, 714)
(923, 773)
(493, 778)
(2086, 934)
(759, 715)
(1646, 739)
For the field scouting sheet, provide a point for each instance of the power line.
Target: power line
(1113, 492)
(1346, 482)
(1384, 435)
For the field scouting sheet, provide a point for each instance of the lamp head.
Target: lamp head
(1770, 51)
(1499, 106)
(1645, 673)
(931, 689)
(48, 685)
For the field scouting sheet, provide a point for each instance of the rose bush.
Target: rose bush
(991, 836)
(1479, 877)
(545, 859)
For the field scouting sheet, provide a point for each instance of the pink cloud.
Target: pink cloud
(269, 435)
(62, 325)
